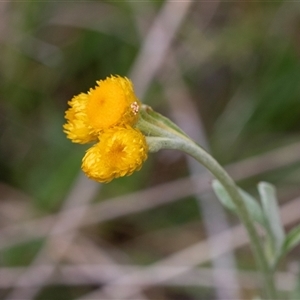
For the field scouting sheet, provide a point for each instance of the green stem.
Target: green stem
(214, 167)
(162, 133)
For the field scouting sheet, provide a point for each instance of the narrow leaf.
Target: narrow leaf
(158, 117)
(291, 240)
(271, 214)
(251, 204)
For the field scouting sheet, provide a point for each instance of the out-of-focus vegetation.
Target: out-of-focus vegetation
(239, 62)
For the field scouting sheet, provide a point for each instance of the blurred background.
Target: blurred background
(227, 72)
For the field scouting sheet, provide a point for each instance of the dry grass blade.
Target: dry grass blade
(83, 193)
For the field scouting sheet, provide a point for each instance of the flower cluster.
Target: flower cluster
(107, 115)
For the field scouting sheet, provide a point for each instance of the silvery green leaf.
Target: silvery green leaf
(251, 204)
(291, 240)
(271, 213)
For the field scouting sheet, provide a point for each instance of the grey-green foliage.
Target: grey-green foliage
(252, 205)
(291, 240)
(278, 244)
(271, 211)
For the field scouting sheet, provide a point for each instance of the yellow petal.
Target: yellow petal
(77, 127)
(112, 103)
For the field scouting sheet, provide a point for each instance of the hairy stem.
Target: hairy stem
(214, 167)
(162, 133)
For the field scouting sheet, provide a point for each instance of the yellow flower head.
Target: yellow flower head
(111, 103)
(120, 152)
(78, 128)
